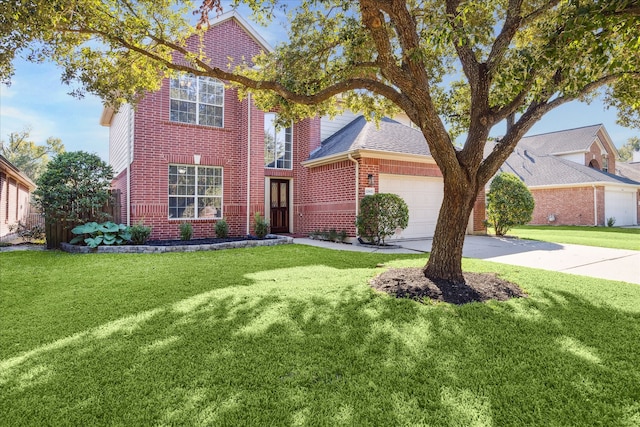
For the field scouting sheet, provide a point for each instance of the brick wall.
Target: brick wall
(569, 206)
(160, 142)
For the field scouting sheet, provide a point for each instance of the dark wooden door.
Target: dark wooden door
(279, 196)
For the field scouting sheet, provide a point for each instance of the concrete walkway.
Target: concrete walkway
(603, 263)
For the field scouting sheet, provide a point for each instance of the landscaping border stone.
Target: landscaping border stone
(148, 249)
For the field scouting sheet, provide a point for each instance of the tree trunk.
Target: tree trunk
(445, 261)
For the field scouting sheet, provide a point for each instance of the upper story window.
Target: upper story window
(197, 100)
(277, 144)
(195, 192)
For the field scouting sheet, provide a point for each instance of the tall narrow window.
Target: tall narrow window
(195, 192)
(197, 100)
(278, 143)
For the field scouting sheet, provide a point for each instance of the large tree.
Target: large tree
(28, 156)
(454, 67)
(627, 149)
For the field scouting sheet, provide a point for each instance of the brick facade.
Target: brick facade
(321, 197)
(553, 202)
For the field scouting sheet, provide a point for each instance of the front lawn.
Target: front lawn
(293, 335)
(605, 237)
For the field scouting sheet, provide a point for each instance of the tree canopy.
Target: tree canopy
(627, 149)
(454, 67)
(26, 155)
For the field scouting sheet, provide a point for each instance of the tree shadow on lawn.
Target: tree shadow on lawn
(284, 351)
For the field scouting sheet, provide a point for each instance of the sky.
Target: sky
(38, 100)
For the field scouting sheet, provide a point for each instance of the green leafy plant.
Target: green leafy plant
(222, 228)
(107, 233)
(261, 226)
(74, 188)
(509, 203)
(28, 234)
(342, 236)
(139, 233)
(380, 216)
(186, 231)
(333, 235)
(611, 221)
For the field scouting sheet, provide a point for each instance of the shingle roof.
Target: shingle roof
(564, 141)
(361, 134)
(629, 170)
(539, 170)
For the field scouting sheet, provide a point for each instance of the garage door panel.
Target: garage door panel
(621, 205)
(423, 196)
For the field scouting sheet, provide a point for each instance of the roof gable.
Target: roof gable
(361, 134)
(233, 14)
(562, 142)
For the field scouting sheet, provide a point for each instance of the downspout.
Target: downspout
(129, 148)
(249, 162)
(357, 180)
(595, 206)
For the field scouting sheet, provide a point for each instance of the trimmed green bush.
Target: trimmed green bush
(139, 233)
(186, 231)
(509, 203)
(222, 228)
(261, 226)
(380, 216)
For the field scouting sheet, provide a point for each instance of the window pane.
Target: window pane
(181, 207)
(209, 207)
(211, 91)
(210, 115)
(184, 87)
(183, 111)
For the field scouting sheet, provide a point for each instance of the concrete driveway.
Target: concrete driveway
(603, 263)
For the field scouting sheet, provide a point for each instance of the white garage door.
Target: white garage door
(620, 203)
(423, 196)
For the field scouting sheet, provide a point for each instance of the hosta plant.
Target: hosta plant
(106, 233)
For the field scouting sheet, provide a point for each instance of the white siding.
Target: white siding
(575, 158)
(120, 138)
(330, 126)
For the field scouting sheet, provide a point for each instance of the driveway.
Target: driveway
(603, 263)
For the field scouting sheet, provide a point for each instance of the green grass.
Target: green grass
(292, 335)
(605, 237)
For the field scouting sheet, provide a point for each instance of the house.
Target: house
(193, 152)
(571, 176)
(15, 195)
(630, 169)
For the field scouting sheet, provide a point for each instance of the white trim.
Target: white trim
(374, 154)
(583, 184)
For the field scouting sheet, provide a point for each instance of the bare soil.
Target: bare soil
(478, 287)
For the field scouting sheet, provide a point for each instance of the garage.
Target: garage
(620, 203)
(423, 196)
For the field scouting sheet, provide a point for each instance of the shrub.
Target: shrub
(380, 216)
(342, 236)
(28, 234)
(509, 203)
(222, 228)
(74, 188)
(611, 221)
(261, 226)
(333, 235)
(139, 233)
(186, 231)
(108, 233)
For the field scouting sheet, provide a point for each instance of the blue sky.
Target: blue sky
(37, 99)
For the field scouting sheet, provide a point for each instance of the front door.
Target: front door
(279, 205)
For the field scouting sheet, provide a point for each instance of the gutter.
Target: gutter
(595, 206)
(129, 160)
(248, 219)
(357, 181)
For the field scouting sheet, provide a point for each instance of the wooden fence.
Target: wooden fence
(59, 232)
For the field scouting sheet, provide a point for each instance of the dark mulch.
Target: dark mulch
(478, 287)
(208, 241)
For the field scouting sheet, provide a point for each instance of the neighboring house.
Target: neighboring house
(631, 169)
(193, 152)
(15, 195)
(571, 176)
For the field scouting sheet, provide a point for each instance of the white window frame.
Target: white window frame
(198, 102)
(269, 118)
(196, 197)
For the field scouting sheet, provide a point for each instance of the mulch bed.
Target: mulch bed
(208, 241)
(478, 287)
